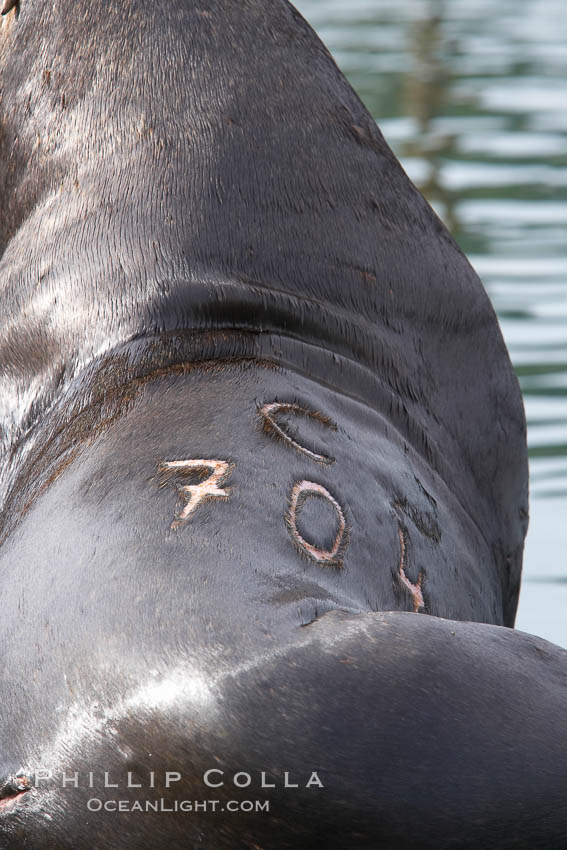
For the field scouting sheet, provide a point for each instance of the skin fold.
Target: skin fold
(263, 464)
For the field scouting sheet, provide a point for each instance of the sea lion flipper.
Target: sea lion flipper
(415, 725)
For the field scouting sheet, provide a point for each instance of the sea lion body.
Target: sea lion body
(255, 398)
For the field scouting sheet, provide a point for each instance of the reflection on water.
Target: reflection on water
(472, 96)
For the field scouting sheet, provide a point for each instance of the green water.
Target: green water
(472, 96)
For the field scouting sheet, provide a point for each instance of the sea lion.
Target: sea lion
(264, 464)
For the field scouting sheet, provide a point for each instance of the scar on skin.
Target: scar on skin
(7, 802)
(332, 557)
(271, 410)
(12, 790)
(194, 494)
(7, 6)
(415, 589)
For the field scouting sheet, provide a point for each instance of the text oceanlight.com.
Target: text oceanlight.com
(188, 806)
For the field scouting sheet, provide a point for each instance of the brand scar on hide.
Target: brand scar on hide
(191, 495)
(269, 413)
(8, 5)
(416, 590)
(332, 557)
